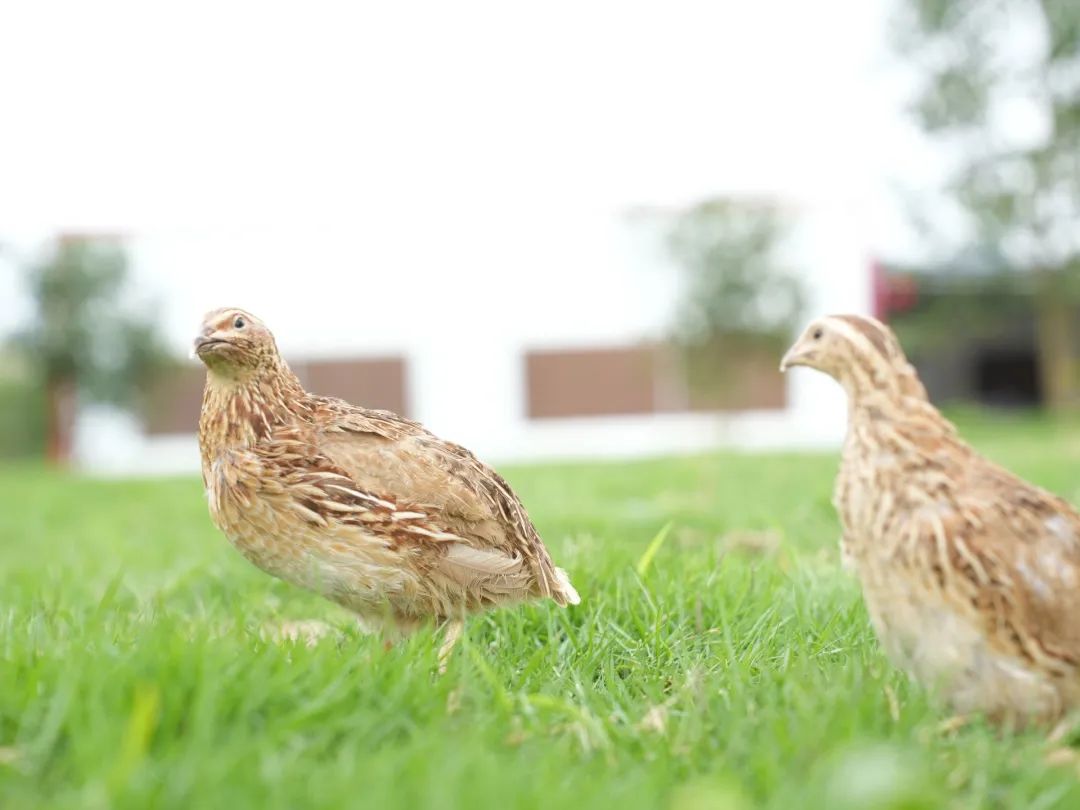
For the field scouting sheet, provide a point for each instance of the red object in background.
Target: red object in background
(892, 292)
(879, 291)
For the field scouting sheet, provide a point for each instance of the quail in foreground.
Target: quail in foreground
(971, 575)
(361, 506)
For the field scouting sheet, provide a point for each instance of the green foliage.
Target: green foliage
(136, 669)
(22, 418)
(736, 288)
(82, 332)
(740, 304)
(983, 66)
(974, 58)
(951, 303)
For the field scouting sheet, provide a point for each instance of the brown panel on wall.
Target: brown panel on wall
(750, 381)
(173, 405)
(590, 382)
(646, 379)
(370, 382)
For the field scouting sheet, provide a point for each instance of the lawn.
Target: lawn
(729, 666)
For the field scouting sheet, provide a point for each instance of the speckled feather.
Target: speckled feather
(969, 573)
(362, 506)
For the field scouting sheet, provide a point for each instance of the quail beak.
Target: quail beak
(796, 356)
(206, 342)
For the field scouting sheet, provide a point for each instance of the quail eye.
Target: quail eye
(239, 323)
(818, 333)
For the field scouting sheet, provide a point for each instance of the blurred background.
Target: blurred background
(546, 230)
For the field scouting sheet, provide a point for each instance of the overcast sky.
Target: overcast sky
(214, 116)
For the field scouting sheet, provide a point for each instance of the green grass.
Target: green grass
(732, 666)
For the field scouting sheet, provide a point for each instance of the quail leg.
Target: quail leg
(953, 724)
(454, 628)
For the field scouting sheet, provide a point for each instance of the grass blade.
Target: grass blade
(654, 547)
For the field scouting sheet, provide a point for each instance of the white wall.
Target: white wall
(463, 307)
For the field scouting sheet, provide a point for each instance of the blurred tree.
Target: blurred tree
(1000, 90)
(22, 413)
(739, 300)
(81, 341)
(736, 287)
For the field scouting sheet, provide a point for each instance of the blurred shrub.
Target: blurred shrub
(82, 331)
(87, 337)
(980, 67)
(22, 419)
(739, 299)
(736, 285)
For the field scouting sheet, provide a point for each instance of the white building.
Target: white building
(448, 191)
(461, 323)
